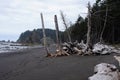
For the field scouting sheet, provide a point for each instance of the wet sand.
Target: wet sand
(31, 64)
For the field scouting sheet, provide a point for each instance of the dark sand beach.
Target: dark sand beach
(31, 64)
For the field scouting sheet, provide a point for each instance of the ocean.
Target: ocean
(11, 47)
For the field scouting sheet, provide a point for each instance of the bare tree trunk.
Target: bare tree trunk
(113, 36)
(100, 29)
(44, 35)
(101, 36)
(57, 32)
(65, 24)
(89, 26)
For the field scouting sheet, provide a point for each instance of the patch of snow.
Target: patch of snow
(116, 50)
(104, 49)
(110, 76)
(104, 68)
(118, 59)
(105, 71)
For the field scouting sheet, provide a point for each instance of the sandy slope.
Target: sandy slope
(31, 64)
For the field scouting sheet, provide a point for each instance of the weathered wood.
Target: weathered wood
(57, 32)
(44, 35)
(101, 35)
(59, 51)
(65, 24)
(89, 26)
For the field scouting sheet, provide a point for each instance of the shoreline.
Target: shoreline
(18, 51)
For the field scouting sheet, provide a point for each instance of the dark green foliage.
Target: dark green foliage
(78, 30)
(36, 35)
(24, 37)
(112, 28)
(111, 34)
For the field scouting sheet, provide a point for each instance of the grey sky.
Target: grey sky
(17, 16)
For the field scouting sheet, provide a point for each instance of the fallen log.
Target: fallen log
(79, 52)
(58, 54)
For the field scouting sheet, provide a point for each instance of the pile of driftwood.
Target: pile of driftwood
(105, 71)
(69, 48)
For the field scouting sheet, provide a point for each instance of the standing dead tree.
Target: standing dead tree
(44, 35)
(106, 14)
(57, 33)
(88, 48)
(59, 51)
(65, 24)
(89, 26)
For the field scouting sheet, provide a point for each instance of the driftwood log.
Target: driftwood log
(58, 54)
(44, 35)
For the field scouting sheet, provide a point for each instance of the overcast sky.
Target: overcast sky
(17, 16)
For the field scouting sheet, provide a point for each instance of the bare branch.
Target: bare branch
(89, 26)
(57, 32)
(66, 26)
(101, 38)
